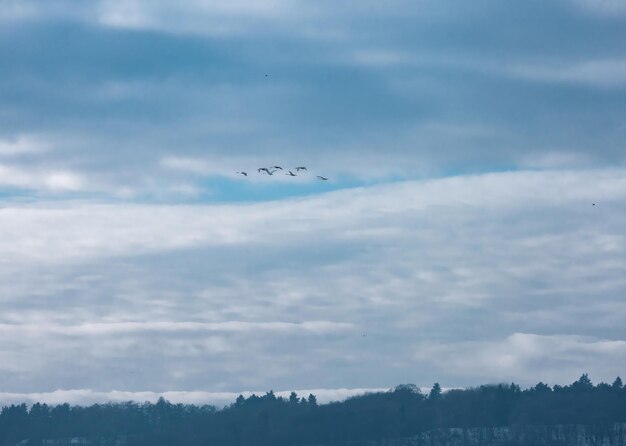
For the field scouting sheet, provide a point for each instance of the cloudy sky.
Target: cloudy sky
(471, 230)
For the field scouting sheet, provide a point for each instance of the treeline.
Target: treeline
(271, 420)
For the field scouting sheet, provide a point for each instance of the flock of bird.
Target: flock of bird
(271, 170)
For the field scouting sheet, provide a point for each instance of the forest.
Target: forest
(401, 413)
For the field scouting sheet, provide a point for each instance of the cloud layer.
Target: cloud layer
(154, 100)
(471, 228)
(510, 276)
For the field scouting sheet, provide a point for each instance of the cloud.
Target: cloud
(191, 165)
(30, 10)
(603, 7)
(594, 73)
(555, 159)
(55, 181)
(132, 250)
(73, 232)
(22, 145)
(352, 91)
(198, 17)
(104, 328)
(380, 57)
(86, 396)
(160, 297)
(539, 358)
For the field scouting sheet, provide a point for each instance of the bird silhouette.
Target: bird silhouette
(270, 172)
(322, 178)
(291, 174)
(245, 174)
(277, 167)
(298, 169)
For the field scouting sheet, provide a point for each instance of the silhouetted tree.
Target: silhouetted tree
(542, 388)
(293, 398)
(583, 383)
(435, 392)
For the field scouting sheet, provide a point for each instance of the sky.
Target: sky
(471, 229)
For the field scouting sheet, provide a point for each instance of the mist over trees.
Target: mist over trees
(298, 420)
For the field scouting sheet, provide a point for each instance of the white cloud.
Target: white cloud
(554, 159)
(192, 165)
(323, 291)
(604, 7)
(380, 58)
(607, 73)
(77, 231)
(531, 357)
(39, 179)
(219, 399)
(196, 16)
(109, 328)
(63, 181)
(228, 167)
(187, 190)
(19, 10)
(22, 145)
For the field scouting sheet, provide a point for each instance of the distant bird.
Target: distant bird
(270, 172)
(291, 174)
(277, 167)
(298, 169)
(245, 174)
(322, 178)
(266, 75)
(593, 204)
(263, 169)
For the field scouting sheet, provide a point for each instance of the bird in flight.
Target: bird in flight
(245, 174)
(291, 174)
(270, 172)
(277, 167)
(322, 178)
(298, 169)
